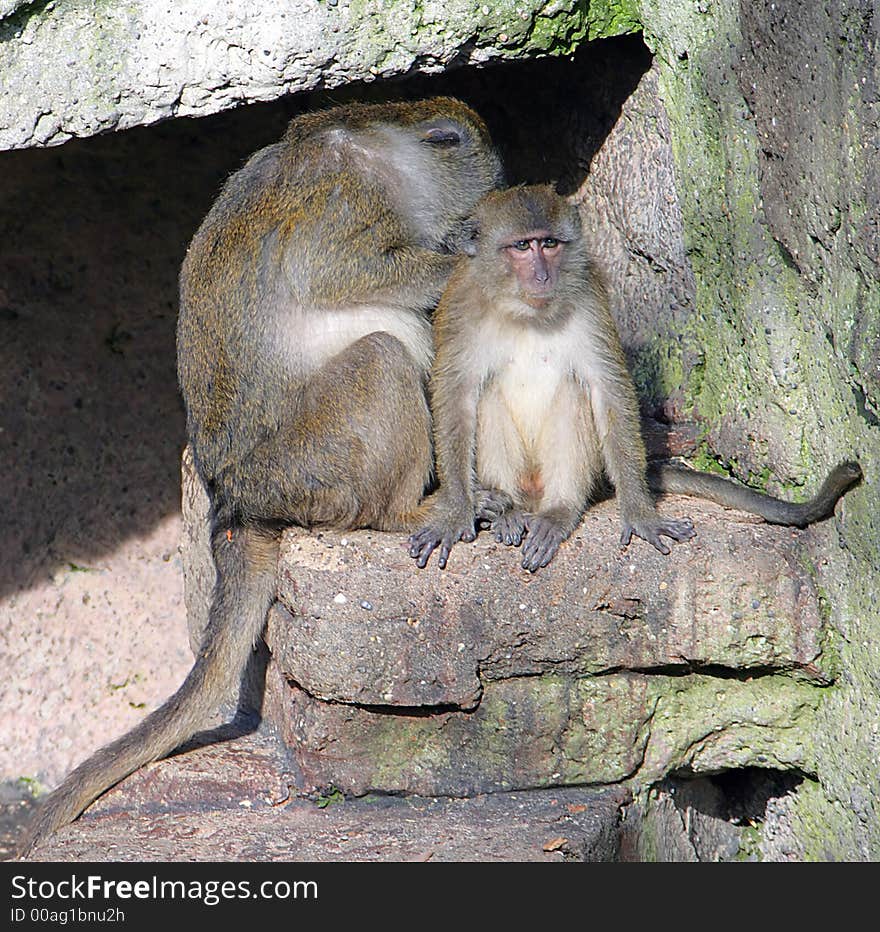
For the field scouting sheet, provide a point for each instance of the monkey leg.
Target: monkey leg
(653, 527)
(353, 450)
(371, 458)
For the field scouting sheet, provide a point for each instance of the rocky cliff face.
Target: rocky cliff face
(774, 116)
(76, 68)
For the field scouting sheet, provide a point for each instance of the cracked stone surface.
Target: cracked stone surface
(233, 802)
(76, 69)
(607, 666)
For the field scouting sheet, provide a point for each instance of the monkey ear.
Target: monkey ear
(471, 237)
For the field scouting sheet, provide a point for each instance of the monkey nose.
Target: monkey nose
(541, 270)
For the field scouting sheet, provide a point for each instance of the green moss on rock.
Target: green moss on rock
(788, 304)
(607, 18)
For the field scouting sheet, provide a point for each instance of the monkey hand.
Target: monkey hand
(652, 527)
(490, 505)
(541, 543)
(442, 533)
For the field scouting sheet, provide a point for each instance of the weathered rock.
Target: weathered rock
(359, 623)
(715, 818)
(549, 731)
(231, 802)
(607, 666)
(773, 114)
(74, 69)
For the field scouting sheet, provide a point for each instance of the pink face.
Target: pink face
(535, 261)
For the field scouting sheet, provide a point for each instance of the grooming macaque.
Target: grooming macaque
(303, 351)
(531, 395)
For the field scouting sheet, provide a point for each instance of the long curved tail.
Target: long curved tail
(246, 560)
(680, 479)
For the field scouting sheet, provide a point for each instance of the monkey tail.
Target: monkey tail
(680, 479)
(246, 560)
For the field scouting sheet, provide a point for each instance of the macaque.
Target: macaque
(531, 396)
(304, 345)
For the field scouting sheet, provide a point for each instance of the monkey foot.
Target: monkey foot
(424, 542)
(491, 504)
(541, 543)
(510, 528)
(678, 529)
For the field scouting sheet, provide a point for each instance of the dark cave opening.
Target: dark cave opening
(94, 234)
(733, 815)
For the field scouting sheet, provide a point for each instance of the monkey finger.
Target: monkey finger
(418, 542)
(509, 529)
(541, 544)
(678, 529)
(531, 558)
(655, 541)
(540, 557)
(505, 536)
(422, 544)
(445, 550)
(626, 536)
(532, 561)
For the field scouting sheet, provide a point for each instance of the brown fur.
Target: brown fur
(531, 395)
(303, 348)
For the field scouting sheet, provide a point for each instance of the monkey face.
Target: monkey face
(535, 261)
(527, 237)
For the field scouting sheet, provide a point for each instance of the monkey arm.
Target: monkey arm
(452, 510)
(401, 274)
(380, 259)
(615, 409)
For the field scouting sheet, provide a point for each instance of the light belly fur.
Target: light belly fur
(315, 336)
(533, 423)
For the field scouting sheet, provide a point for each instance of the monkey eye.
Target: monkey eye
(521, 245)
(549, 242)
(442, 137)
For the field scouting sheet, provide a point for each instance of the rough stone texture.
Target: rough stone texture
(357, 624)
(740, 815)
(75, 68)
(548, 731)
(774, 116)
(685, 824)
(232, 802)
(483, 677)
(633, 217)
